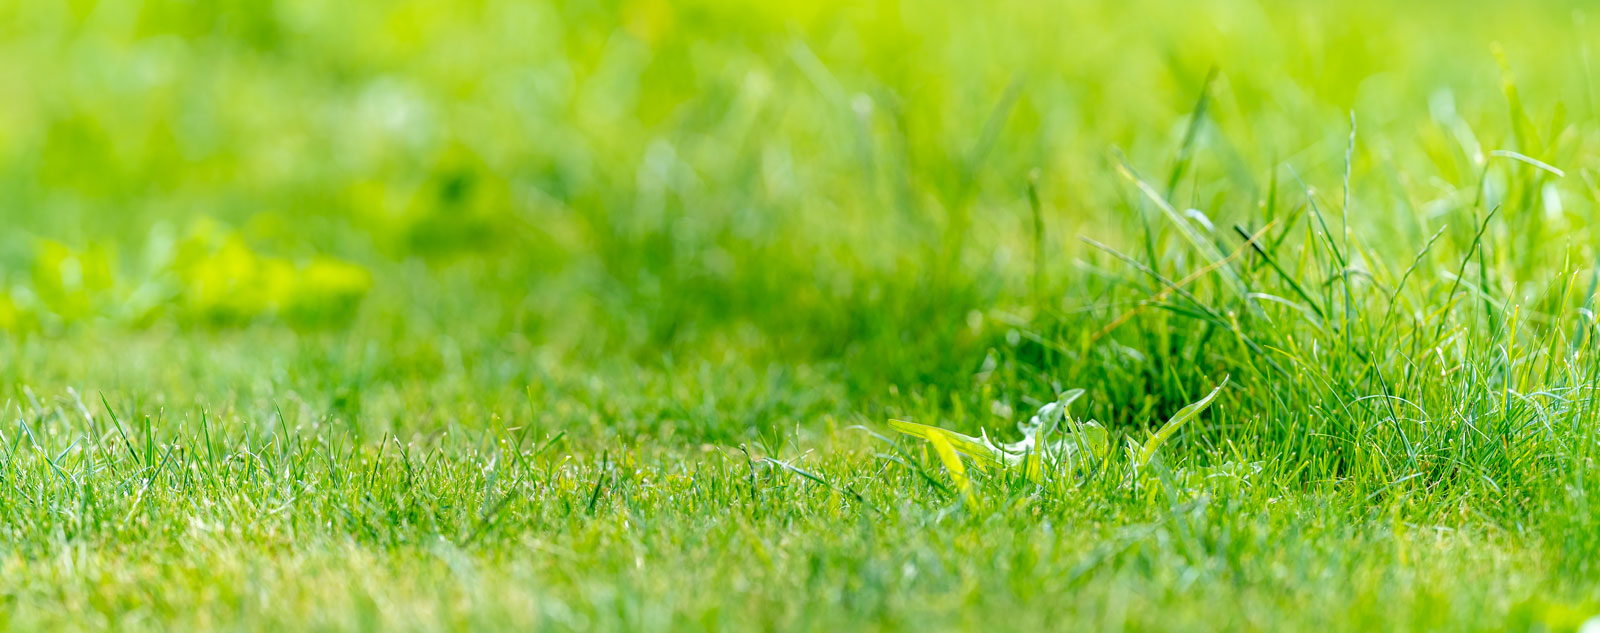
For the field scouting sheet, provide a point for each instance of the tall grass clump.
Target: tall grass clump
(1451, 371)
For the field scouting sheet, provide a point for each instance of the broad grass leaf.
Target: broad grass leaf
(980, 452)
(952, 464)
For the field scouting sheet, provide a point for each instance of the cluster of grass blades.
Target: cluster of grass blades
(1053, 445)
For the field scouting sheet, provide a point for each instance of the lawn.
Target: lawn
(683, 315)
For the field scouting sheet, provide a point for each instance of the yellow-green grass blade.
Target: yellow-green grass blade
(952, 465)
(967, 445)
(1176, 422)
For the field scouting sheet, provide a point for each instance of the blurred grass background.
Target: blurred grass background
(815, 201)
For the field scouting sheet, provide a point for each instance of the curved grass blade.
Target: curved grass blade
(1177, 421)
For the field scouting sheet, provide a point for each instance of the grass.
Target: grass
(595, 316)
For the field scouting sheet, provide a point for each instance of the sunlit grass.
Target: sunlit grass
(694, 315)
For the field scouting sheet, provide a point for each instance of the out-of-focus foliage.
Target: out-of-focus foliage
(671, 169)
(209, 277)
(841, 183)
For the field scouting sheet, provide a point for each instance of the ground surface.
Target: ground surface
(593, 316)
